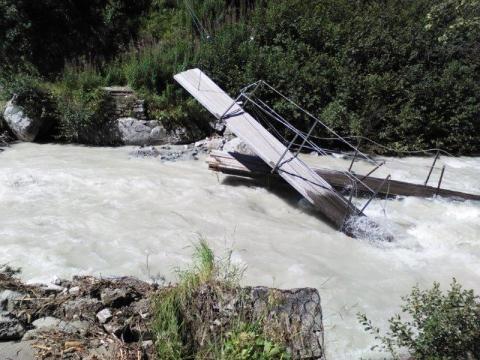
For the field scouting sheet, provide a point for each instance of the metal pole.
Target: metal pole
(375, 194)
(228, 109)
(431, 168)
(440, 180)
(372, 171)
(353, 160)
(305, 139)
(355, 156)
(284, 153)
(253, 91)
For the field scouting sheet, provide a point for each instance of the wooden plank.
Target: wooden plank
(293, 170)
(252, 166)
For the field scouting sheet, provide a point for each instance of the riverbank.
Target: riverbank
(205, 315)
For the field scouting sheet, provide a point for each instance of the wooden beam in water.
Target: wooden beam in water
(252, 166)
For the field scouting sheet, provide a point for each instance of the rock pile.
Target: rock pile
(86, 318)
(92, 318)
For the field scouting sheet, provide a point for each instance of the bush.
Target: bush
(442, 325)
(85, 118)
(247, 342)
(85, 110)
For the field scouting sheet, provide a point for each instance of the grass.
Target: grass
(179, 309)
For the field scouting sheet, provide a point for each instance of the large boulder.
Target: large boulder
(24, 127)
(236, 145)
(141, 132)
(133, 131)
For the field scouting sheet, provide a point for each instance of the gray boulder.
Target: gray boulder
(10, 328)
(236, 145)
(141, 132)
(24, 127)
(49, 323)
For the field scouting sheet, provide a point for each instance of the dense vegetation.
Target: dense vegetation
(438, 325)
(403, 73)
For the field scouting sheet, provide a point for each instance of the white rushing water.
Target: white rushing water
(67, 210)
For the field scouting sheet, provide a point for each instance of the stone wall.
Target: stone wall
(125, 103)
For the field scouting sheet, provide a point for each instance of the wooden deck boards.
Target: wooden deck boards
(252, 166)
(294, 171)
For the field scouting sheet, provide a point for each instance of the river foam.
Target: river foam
(67, 210)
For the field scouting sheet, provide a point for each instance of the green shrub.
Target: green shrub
(82, 77)
(439, 326)
(85, 118)
(85, 110)
(247, 342)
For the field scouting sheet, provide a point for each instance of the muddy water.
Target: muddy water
(68, 210)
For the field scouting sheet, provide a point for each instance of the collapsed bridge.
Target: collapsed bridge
(279, 158)
(276, 158)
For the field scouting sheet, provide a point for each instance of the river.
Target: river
(68, 210)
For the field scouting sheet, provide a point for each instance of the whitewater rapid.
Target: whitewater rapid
(67, 210)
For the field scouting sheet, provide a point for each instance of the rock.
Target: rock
(147, 344)
(116, 297)
(79, 309)
(114, 328)
(7, 299)
(209, 144)
(168, 152)
(17, 350)
(46, 322)
(24, 127)
(104, 316)
(41, 325)
(141, 132)
(78, 326)
(75, 290)
(10, 328)
(238, 146)
(53, 324)
(145, 151)
(142, 307)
